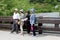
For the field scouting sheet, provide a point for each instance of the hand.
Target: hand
(19, 23)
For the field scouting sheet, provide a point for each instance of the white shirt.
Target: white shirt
(16, 16)
(22, 16)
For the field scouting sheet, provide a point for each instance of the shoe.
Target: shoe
(34, 35)
(21, 34)
(16, 32)
(11, 32)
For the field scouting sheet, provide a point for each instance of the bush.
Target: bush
(7, 6)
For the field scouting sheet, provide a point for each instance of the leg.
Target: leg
(16, 28)
(34, 34)
(28, 28)
(21, 27)
(13, 27)
(27, 24)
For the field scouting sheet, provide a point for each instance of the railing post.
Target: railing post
(39, 28)
(56, 25)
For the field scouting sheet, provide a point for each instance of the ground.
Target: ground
(6, 35)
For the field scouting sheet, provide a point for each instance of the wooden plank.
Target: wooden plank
(6, 19)
(51, 29)
(54, 21)
(6, 25)
(51, 17)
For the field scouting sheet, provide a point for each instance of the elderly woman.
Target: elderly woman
(21, 20)
(32, 21)
(27, 22)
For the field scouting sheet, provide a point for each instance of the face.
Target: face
(16, 11)
(21, 12)
(28, 12)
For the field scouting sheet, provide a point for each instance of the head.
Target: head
(21, 11)
(32, 10)
(28, 12)
(16, 10)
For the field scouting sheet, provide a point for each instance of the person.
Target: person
(16, 18)
(32, 21)
(21, 20)
(27, 22)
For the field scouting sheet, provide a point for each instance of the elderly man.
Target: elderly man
(16, 18)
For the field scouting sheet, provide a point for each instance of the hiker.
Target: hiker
(16, 18)
(27, 22)
(32, 21)
(21, 21)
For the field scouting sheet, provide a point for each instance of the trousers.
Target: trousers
(21, 26)
(14, 26)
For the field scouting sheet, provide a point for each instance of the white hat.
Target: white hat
(21, 10)
(16, 9)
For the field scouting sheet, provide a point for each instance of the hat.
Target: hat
(21, 10)
(32, 10)
(16, 9)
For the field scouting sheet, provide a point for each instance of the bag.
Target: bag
(31, 28)
(35, 20)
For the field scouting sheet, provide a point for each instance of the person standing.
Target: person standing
(27, 22)
(16, 18)
(32, 21)
(21, 20)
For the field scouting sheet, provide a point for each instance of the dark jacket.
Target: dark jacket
(28, 16)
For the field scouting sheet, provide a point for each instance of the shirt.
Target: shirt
(22, 17)
(32, 19)
(16, 16)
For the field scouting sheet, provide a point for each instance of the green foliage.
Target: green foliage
(7, 6)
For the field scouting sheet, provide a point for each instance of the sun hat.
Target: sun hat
(16, 9)
(21, 10)
(32, 10)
